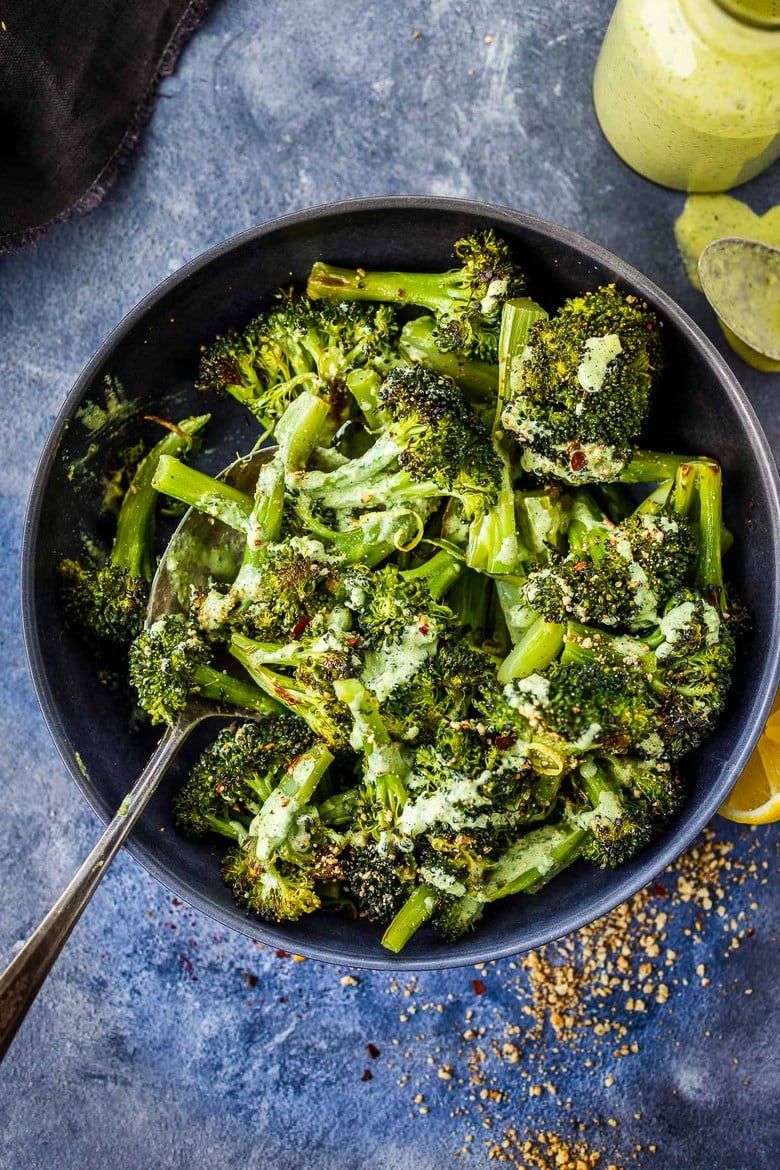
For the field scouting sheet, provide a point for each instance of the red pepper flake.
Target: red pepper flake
(299, 627)
(367, 1075)
(659, 890)
(373, 1051)
(251, 980)
(282, 954)
(580, 566)
(502, 742)
(578, 460)
(479, 986)
(424, 629)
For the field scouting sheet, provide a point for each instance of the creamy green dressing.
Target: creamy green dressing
(592, 370)
(687, 93)
(706, 218)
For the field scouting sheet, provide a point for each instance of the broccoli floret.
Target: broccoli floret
(285, 852)
(302, 344)
(107, 601)
(294, 587)
(171, 663)
(466, 300)
(614, 575)
(235, 775)
(632, 801)
(388, 602)
(581, 391)
(379, 879)
(313, 700)
(433, 446)
(576, 706)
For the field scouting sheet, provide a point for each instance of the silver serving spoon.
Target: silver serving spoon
(200, 549)
(741, 280)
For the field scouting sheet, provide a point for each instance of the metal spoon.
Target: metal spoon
(198, 547)
(741, 280)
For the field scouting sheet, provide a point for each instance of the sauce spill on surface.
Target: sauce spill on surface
(706, 218)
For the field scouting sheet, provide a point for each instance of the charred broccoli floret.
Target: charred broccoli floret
(614, 575)
(581, 391)
(236, 774)
(107, 601)
(279, 860)
(466, 300)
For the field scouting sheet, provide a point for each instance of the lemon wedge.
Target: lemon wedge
(755, 798)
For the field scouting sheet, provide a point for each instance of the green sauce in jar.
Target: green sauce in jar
(688, 91)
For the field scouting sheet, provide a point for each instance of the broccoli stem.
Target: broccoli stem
(493, 545)
(517, 317)
(585, 516)
(709, 570)
(470, 599)
(339, 809)
(477, 378)
(386, 490)
(435, 291)
(220, 687)
(534, 860)
(538, 647)
(416, 910)
(197, 490)
(133, 547)
(374, 538)
(517, 615)
(308, 704)
(272, 825)
(651, 467)
(370, 727)
(440, 572)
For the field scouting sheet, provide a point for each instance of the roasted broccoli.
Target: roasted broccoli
(301, 344)
(468, 650)
(580, 393)
(106, 601)
(466, 300)
(172, 663)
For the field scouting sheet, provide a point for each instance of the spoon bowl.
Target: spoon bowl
(741, 280)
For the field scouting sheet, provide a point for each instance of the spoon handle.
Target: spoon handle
(22, 978)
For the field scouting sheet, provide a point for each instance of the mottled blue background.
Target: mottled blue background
(158, 1040)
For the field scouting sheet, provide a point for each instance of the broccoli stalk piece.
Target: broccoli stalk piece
(197, 490)
(540, 644)
(370, 538)
(616, 575)
(310, 700)
(276, 866)
(466, 300)
(493, 541)
(108, 602)
(171, 662)
(478, 379)
(379, 864)
(301, 345)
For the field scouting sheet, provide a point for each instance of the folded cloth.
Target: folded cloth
(77, 82)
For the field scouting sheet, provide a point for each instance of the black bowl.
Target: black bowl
(154, 354)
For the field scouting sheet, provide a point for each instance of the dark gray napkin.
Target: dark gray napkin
(77, 81)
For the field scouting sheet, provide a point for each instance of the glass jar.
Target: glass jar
(688, 91)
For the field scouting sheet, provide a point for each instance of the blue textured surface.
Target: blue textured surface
(159, 1041)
